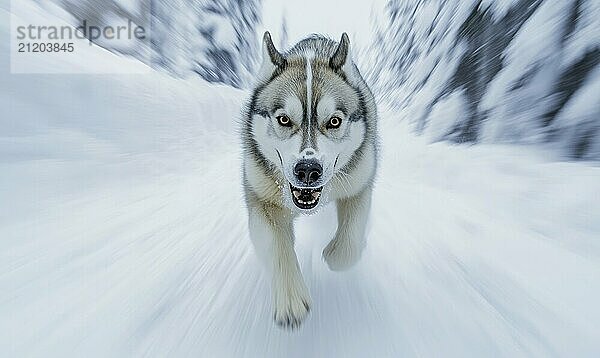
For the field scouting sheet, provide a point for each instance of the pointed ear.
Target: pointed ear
(342, 53)
(270, 52)
(272, 59)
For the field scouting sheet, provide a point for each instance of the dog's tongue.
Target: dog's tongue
(308, 194)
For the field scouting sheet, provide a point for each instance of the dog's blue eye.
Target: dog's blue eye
(284, 120)
(334, 122)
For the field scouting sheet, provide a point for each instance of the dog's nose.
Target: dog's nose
(308, 171)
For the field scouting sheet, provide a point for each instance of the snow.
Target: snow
(123, 233)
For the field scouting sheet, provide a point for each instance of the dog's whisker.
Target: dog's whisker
(342, 184)
(347, 178)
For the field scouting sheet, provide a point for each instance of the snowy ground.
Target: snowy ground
(123, 233)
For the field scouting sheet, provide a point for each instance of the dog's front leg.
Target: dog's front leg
(346, 247)
(272, 234)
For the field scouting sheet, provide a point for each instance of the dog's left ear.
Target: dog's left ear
(341, 57)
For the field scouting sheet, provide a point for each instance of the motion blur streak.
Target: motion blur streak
(122, 231)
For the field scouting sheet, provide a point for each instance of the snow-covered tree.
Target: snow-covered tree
(172, 35)
(494, 71)
(112, 13)
(228, 47)
(216, 39)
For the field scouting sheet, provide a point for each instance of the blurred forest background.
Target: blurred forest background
(511, 71)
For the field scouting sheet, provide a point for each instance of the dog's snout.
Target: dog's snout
(308, 172)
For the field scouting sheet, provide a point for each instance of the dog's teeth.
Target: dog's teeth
(312, 195)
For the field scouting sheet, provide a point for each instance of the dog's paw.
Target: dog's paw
(292, 307)
(341, 254)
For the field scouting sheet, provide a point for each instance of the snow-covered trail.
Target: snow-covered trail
(472, 251)
(123, 233)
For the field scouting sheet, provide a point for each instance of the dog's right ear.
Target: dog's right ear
(272, 59)
(270, 52)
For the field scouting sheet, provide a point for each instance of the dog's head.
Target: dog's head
(307, 117)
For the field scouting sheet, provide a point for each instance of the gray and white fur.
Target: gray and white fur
(309, 136)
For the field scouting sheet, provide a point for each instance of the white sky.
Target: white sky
(326, 17)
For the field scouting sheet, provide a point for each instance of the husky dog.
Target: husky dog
(309, 136)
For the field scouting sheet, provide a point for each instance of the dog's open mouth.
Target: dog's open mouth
(306, 198)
